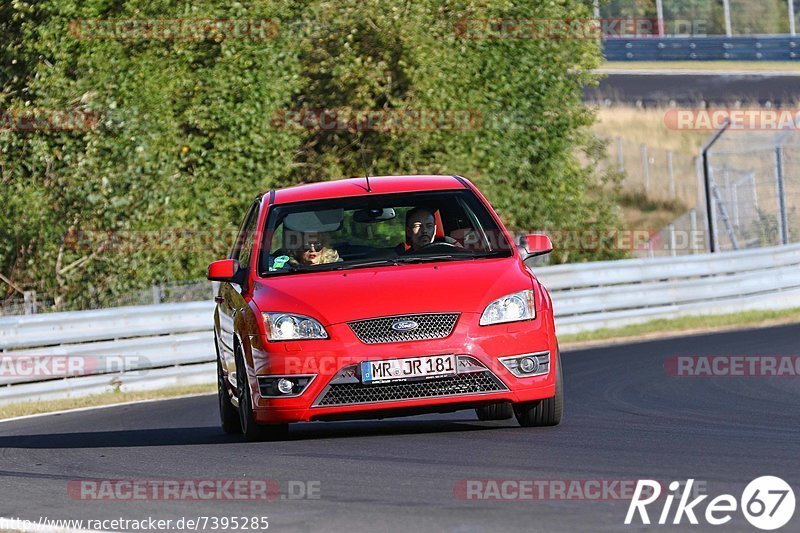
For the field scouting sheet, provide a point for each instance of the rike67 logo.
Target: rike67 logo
(767, 503)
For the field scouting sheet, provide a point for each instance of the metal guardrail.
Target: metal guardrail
(612, 294)
(105, 324)
(742, 48)
(76, 387)
(173, 342)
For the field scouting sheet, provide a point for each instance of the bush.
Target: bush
(187, 133)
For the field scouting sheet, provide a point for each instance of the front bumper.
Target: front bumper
(337, 357)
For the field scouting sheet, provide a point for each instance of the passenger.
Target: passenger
(316, 252)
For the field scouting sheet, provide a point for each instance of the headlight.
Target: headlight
(510, 308)
(285, 327)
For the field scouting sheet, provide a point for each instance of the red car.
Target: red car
(379, 297)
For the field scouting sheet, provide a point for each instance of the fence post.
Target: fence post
(714, 235)
(157, 293)
(693, 229)
(707, 182)
(755, 189)
(30, 305)
(660, 16)
(672, 244)
(701, 199)
(726, 8)
(783, 223)
(672, 193)
(645, 170)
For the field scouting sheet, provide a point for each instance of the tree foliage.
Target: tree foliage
(186, 134)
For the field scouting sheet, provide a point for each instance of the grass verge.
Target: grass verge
(685, 325)
(109, 398)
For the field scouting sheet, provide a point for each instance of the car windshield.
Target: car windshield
(379, 230)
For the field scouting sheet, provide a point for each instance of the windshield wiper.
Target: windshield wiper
(450, 257)
(423, 258)
(392, 261)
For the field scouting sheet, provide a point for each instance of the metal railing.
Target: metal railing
(741, 48)
(173, 343)
(32, 302)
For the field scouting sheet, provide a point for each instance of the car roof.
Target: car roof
(358, 187)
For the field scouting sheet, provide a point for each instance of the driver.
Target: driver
(420, 228)
(421, 231)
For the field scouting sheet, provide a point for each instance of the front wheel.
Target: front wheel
(252, 430)
(228, 416)
(545, 412)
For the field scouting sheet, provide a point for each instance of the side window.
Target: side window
(244, 242)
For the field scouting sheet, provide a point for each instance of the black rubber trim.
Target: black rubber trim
(462, 181)
(271, 197)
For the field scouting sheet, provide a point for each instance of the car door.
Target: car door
(229, 299)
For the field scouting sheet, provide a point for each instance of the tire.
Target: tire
(496, 411)
(228, 415)
(545, 412)
(252, 430)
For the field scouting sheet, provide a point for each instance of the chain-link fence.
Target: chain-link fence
(655, 173)
(754, 186)
(754, 181)
(683, 236)
(32, 302)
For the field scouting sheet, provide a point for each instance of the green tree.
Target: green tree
(186, 134)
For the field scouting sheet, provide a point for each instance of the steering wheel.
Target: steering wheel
(435, 246)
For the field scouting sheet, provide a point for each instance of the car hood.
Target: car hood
(340, 296)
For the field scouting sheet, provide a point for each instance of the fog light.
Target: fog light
(528, 365)
(285, 386)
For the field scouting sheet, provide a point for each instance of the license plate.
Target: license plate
(411, 368)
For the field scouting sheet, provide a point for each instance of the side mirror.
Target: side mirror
(537, 244)
(223, 270)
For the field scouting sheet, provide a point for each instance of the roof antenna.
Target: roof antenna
(364, 163)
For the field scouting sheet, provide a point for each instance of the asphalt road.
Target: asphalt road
(690, 89)
(626, 418)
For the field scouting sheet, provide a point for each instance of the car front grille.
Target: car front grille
(349, 391)
(428, 326)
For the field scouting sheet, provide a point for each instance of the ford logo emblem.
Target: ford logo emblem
(405, 325)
